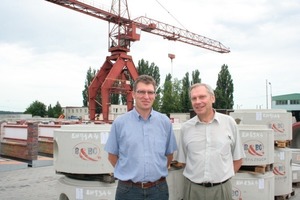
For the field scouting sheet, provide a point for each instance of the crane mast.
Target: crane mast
(117, 70)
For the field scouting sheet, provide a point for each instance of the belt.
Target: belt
(208, 184)
(144, 185)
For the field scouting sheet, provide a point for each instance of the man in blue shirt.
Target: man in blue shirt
(140, 147)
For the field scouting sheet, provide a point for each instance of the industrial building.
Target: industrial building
(289, 102)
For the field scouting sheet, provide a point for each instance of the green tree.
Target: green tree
(57, 110)
(91, 74)
(166, 105)
(50, 111)
(224, 90)
(184, 96)
(196, 77)
(115, 99)
(171, 102)
(89, 78)
(36, 109)
(176, 92)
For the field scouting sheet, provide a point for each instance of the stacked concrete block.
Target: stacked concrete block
(24, 148)
(255, 178)
(282, 170)
(46, 132)
(253, 186)
(280, 121)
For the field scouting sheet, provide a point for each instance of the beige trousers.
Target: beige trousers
(193, 191)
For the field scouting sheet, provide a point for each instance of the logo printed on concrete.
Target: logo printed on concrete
(87, 151)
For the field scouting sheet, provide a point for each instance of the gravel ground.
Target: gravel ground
(40, 183)
(29, 184)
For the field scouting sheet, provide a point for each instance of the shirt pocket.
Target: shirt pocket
(225, 150)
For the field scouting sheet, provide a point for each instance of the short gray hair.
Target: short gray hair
(209, 89)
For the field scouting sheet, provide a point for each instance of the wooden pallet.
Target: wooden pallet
(282, 143)
(258, 169)
(286, 196)
(296, 185)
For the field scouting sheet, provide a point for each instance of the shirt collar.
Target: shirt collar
(137, 115)
(195, 120)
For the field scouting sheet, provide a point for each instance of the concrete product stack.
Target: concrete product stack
(295, 148)
(46, 131)
(175, 176)
(296, 135)
(280, 121)
(79, 149)
(258, 143)
(253, 186)
(175, 181)
(20, 141)
(295, 155)
(255, 177)
(295, 166)
(296, 174)
(79, 154)
(70, 188)
(282, 170)
(176, 129)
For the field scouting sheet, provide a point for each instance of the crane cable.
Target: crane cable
(170, 14)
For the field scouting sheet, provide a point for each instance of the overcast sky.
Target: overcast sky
(46, 49)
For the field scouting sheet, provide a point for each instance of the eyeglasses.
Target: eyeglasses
(143, 92)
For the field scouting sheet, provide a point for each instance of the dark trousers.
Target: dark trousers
(127, 191)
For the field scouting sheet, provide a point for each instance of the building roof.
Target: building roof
(293, 96)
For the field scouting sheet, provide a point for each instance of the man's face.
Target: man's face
(201, 100)
(144, 96)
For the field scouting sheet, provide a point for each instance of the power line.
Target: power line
(170, 14)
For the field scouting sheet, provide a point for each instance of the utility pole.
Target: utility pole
(270, 94)
(267, 93)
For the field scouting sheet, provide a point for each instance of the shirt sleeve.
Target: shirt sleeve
(238, 151)
(181, 153)
(112, 145)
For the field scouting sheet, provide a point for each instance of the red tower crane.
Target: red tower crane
(114, 75)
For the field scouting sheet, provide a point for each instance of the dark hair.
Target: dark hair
(144, 79)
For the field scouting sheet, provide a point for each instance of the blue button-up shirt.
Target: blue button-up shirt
(141, 145)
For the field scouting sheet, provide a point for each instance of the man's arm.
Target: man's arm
(237, 164)
(113, 159)
(170, 158)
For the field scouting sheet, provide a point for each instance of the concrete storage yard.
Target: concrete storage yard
(29, 183)
(41, 183)
(278, 166)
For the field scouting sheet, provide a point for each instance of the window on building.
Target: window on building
(281, 102)
(293, 102)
